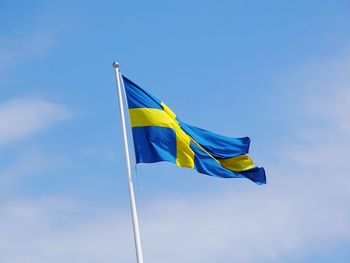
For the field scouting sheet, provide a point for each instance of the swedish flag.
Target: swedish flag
(159, 135)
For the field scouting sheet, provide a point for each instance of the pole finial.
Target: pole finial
(115, 64)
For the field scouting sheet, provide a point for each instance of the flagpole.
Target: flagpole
(135, 222)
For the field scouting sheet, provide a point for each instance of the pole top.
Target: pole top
(115, 64)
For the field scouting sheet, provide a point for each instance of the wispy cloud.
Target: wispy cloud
(303, 208)
(23, 46)
(21, 118)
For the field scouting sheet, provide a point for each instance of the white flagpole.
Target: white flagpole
(135, 221)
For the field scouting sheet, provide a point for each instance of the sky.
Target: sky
(276, 71)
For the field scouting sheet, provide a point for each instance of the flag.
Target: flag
(159, 135)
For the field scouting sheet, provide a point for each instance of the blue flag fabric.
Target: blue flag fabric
(159, 135)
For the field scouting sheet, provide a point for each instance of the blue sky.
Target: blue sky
(276, 71)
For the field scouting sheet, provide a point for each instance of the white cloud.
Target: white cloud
(59, 230)
(303, 208)
(21, 118)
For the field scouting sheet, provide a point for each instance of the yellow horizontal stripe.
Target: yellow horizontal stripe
(238, 163)
(140, 117)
